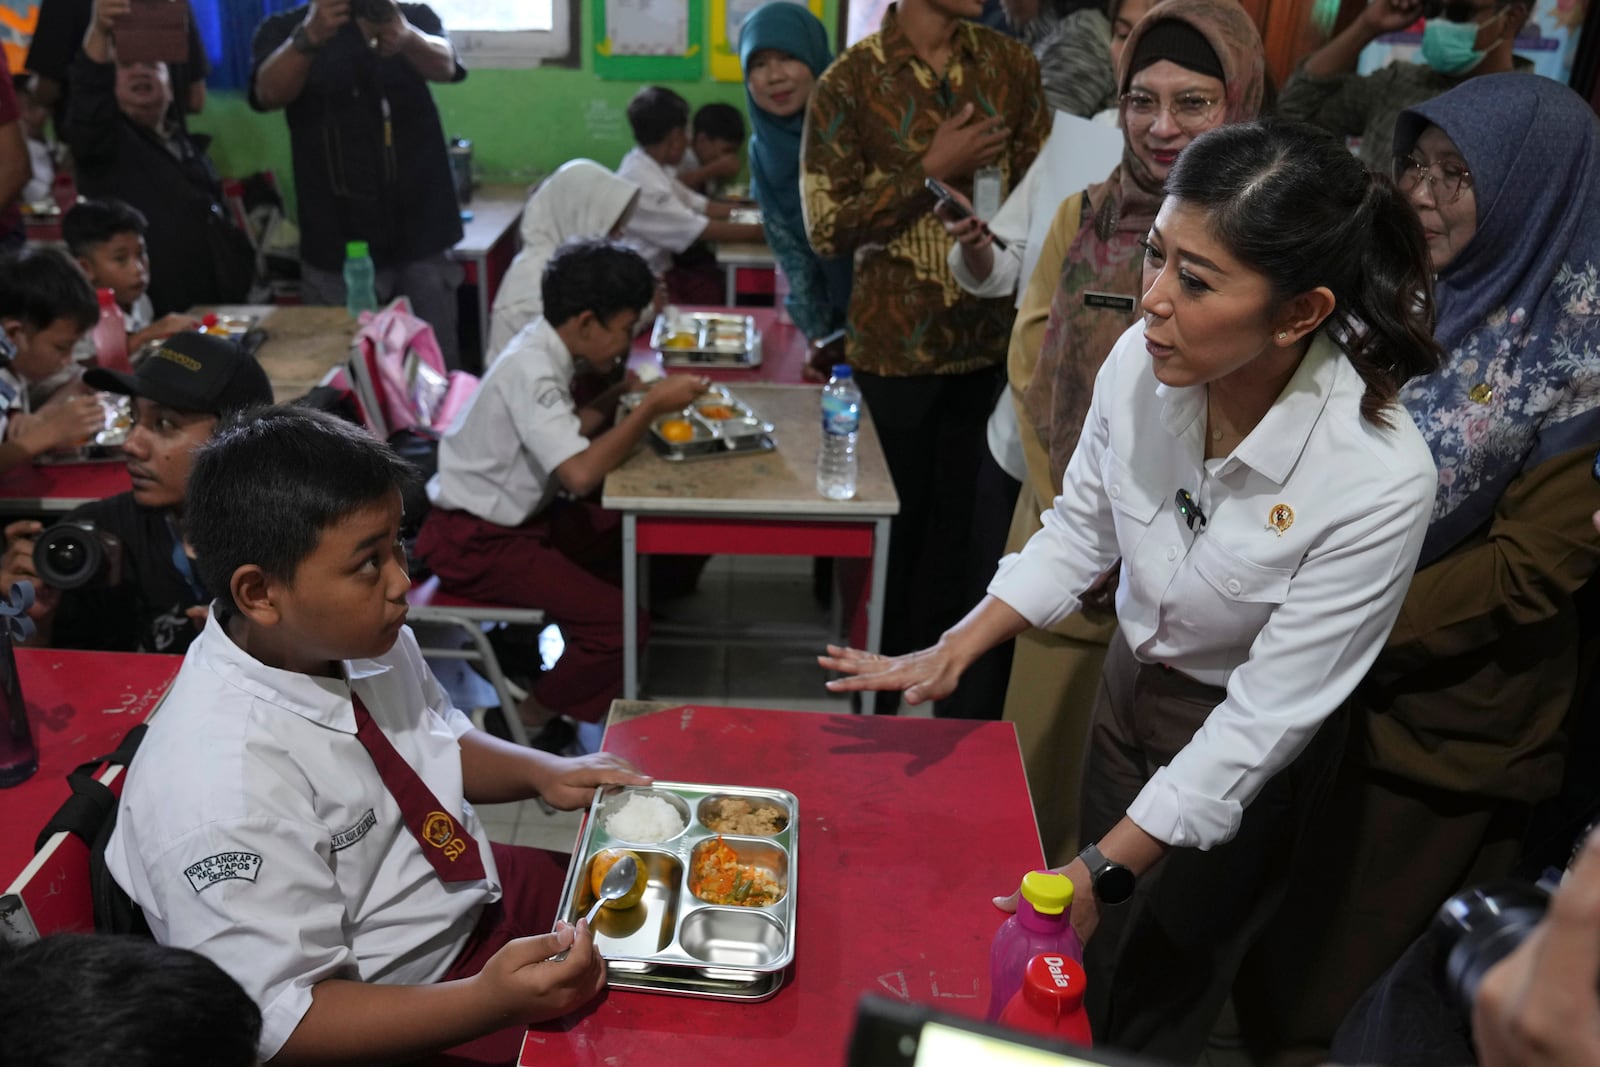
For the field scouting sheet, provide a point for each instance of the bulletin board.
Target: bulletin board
(649, 40)
(726, 18)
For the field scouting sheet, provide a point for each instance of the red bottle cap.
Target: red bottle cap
(106, 297)
(1053, 984)
(208, 320)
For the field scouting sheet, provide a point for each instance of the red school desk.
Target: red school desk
(57, 488)
(784, 351)
(80, 704)
(909, 827)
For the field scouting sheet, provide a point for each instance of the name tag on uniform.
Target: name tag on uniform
(1110, 301)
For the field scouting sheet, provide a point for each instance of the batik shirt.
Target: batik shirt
(872, 117)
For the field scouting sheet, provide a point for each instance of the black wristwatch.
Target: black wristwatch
(302, 42)
(1113, 883)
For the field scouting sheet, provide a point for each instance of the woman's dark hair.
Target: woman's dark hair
(1294, 204)
(73, 999)
(264, 488)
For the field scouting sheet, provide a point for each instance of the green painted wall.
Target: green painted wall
(523, 123)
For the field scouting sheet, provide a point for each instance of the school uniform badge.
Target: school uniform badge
(223, 867)
(1280, 518)
(438, 829)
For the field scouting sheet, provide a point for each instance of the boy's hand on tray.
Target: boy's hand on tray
(528, 986)
(572, 781)
(675, 392)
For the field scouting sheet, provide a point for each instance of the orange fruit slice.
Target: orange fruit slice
(607, 858)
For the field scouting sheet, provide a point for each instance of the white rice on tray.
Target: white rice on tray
(644, 818)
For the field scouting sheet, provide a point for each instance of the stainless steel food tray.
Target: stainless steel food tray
(742, 433)
(672, 941)
(720, 339)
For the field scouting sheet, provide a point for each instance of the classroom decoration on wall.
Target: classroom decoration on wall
(727, 16)
(649, 40)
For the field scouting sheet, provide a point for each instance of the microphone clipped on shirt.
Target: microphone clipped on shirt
(1189, 508)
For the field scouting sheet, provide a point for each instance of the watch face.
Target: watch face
(1114, 884)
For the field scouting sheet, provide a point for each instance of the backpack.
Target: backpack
(90, 813)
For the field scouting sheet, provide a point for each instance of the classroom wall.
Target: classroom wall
(523, 123)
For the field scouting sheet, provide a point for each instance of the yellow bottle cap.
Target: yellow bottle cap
(1049, 893)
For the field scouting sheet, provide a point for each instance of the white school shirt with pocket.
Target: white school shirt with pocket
(668, 216)
(1285, 597)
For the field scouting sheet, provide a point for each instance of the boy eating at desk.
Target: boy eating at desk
(45, 306)
(509, 524)
(301, 809)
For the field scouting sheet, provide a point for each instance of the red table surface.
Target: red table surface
(784, 350)
(907, 828)
(80, 704)
(69, 481)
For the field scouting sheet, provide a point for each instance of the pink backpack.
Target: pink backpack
(400, 376)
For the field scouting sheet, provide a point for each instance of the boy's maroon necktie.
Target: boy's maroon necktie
(452, 851)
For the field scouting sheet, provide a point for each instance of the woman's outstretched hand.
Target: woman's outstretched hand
(931, 674)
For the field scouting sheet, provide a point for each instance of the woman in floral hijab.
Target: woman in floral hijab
(1462, 715)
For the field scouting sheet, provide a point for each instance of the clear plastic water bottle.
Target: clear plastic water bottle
(841, 420)
(360, 279)
(1042, 924)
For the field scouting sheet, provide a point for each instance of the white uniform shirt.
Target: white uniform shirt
(1285, 598)
(669, 215)
(498, 460)
(255, 829)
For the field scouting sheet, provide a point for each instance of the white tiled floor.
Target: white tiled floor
(768, 591)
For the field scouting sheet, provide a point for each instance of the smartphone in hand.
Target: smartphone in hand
(961, 211)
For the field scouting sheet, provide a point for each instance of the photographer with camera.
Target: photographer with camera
(113, 575)
(369, 152)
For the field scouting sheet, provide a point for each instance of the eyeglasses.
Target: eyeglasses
(1446, 179)
(1190, 111)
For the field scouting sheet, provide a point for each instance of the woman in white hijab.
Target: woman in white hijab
(581, 199)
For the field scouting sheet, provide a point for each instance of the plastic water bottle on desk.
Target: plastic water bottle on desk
(841, 421)
(110, 335)
(1050, 1001)
(360, 279)
(1042, 924)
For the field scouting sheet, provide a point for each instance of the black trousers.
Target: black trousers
(1161, 965)
(932, 430)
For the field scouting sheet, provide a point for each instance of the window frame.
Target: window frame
(523, 49)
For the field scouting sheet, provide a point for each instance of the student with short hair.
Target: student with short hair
(301, 811)
(45, 306)
(712, 158)
(670, 216)
(181, 392)
(72, 999)
(510, 523)
(107, 238)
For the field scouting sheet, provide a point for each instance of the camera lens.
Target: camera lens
(1482, 926)
(68, 556)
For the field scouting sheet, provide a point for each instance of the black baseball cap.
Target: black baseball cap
(194, 372)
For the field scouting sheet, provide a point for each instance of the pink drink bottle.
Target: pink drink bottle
(1043, 923)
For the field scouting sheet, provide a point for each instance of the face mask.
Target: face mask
(1450, 47)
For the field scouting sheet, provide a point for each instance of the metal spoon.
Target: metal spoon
(615, 885)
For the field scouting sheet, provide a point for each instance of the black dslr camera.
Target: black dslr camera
(1482, 926)
(76, 555)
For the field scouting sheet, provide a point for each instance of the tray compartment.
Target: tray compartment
(732, 937)
(610, 805)
(706, 338)
(648, 927)
(765, 856)
(727, 804)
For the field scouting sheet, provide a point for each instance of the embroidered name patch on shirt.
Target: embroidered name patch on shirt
(221, 867)
(345, 838)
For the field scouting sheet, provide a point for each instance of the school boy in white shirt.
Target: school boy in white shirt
(301, 811)
(670, 216)
(509, 524)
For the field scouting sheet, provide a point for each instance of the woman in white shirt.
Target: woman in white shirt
(1245, 458)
